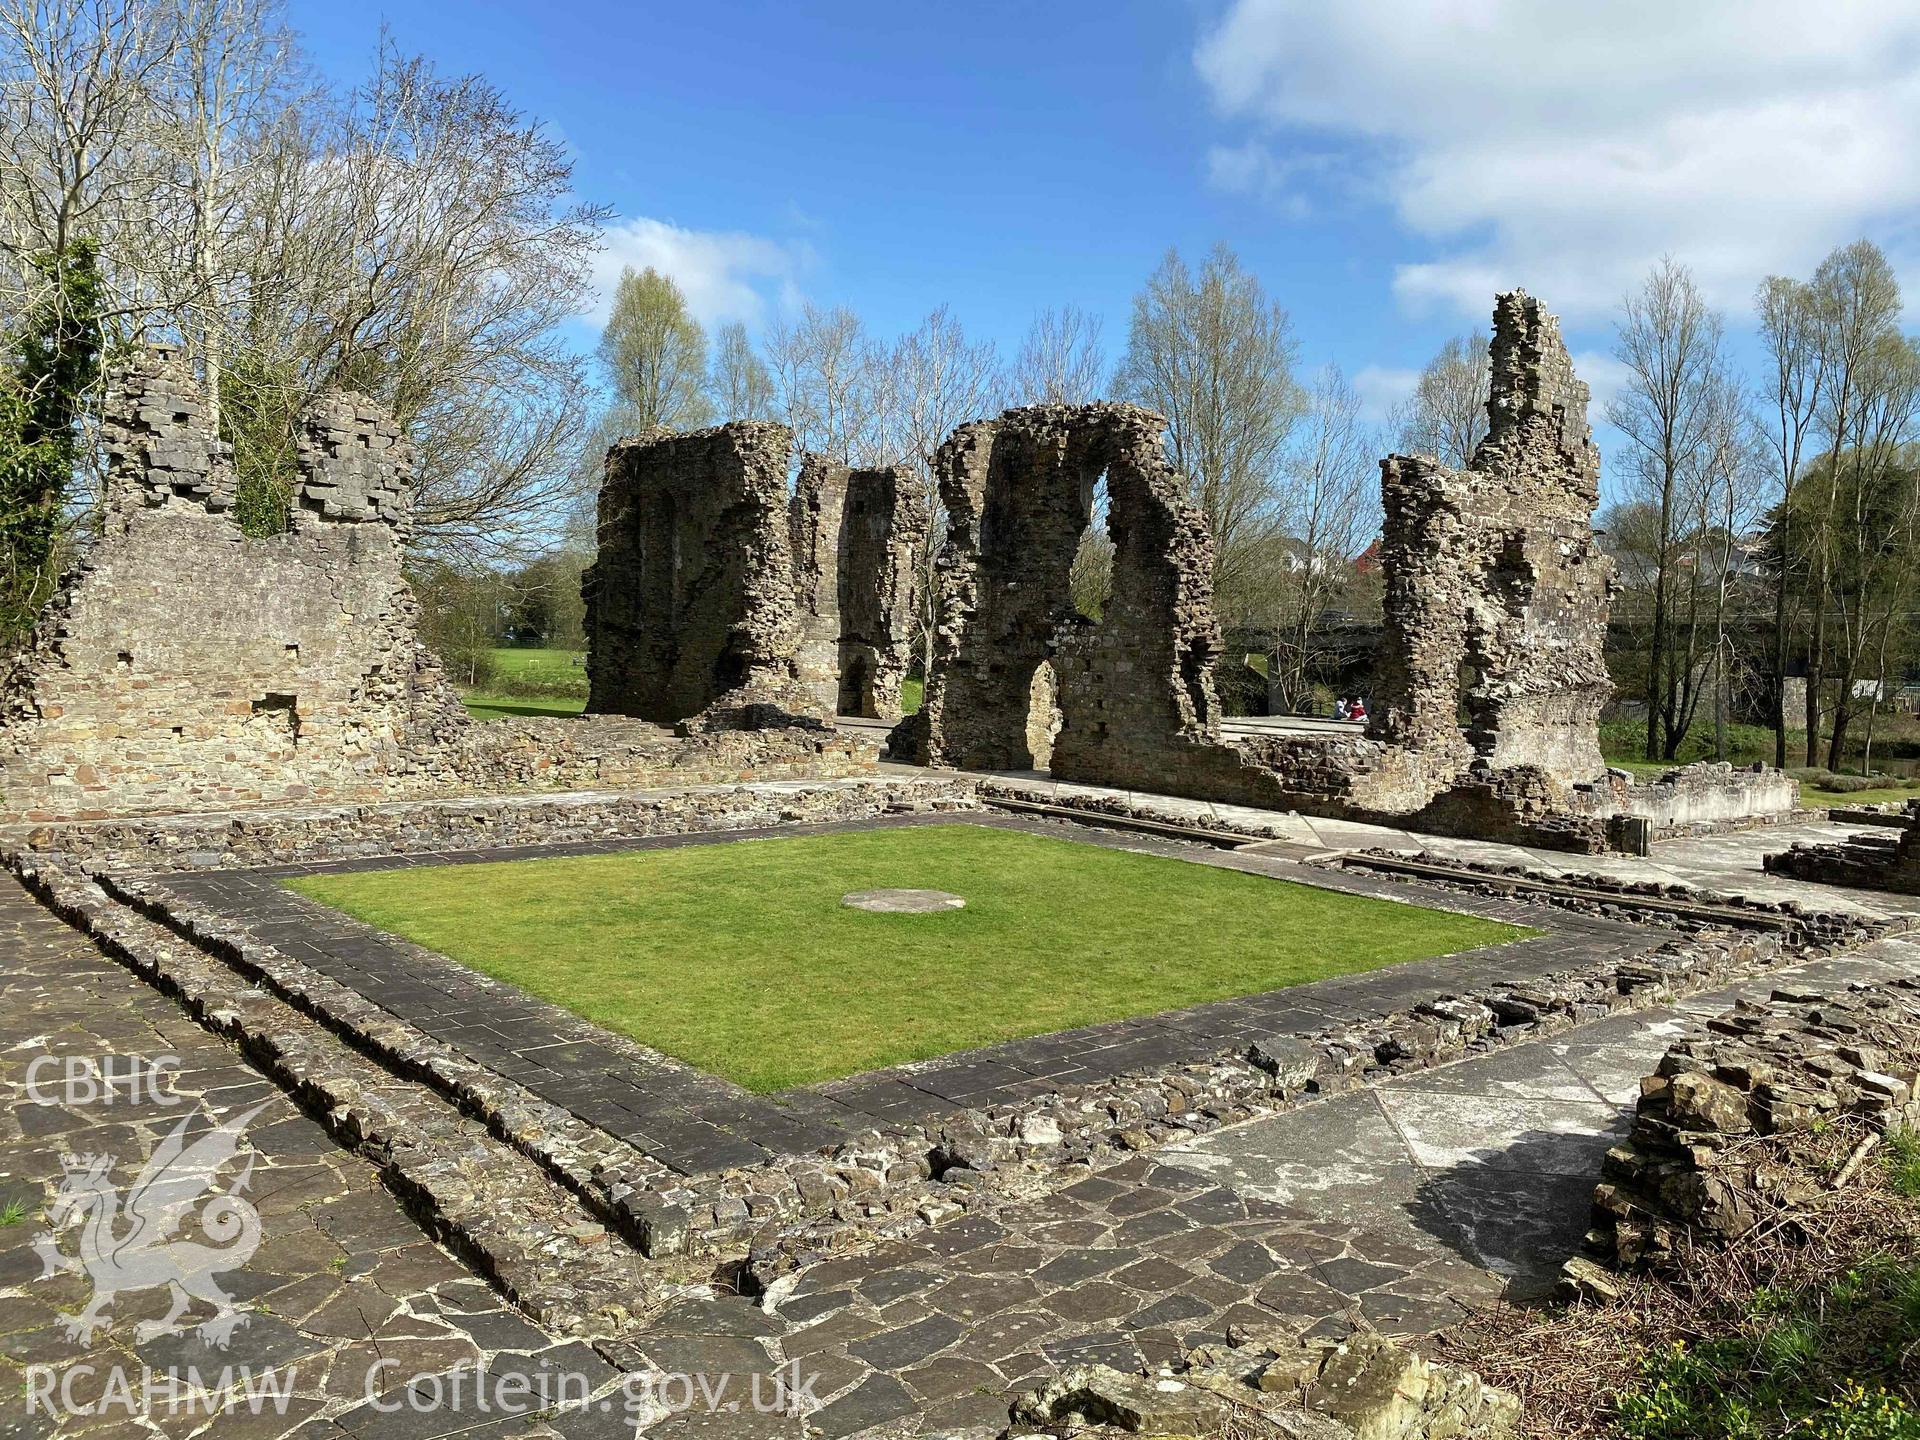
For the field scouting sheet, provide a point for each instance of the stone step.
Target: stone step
(537, 1243)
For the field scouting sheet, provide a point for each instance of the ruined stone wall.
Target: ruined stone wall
(855, 533)
(1873, 860)
(690, 600)
(1496, 593)
(1010, 646)
(186, 664)
(883, 525)
(816, 515)
(1018, 492)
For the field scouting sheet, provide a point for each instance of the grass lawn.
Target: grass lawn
(484, 706)
(740, 959)
(561, 671)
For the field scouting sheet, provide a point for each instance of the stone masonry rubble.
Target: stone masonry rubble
(1727, 1124)
(1496, 607)
(1870, 860)
(719, 598)
(185, 665)
(1364, 1387)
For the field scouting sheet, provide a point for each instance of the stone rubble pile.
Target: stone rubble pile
(1724, 1126)
(1363, 1388)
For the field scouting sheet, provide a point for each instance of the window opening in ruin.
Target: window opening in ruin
(1090, 578)
(1043, 715)
(124, 660)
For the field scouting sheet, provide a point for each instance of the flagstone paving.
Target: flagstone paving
(1396, 1207)
(342, 1278)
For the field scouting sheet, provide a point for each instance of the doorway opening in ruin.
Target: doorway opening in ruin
(1090, 577)
(1043, 716)
(856, 682)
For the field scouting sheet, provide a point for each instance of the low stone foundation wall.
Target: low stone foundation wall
(1681, 907)
(287, 834)
(1878, 861)
(884, 1183)
(1712, 1153)
(1705, 798)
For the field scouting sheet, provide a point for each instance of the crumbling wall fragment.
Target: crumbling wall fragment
(816, 515)
(1496, 592)
(1019, 496)
(690, 600)
(185, 664)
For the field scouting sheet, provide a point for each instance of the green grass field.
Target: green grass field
(740, 959)
(551, 682)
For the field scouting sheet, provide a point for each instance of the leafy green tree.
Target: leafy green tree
(655, 353)
(57, 364)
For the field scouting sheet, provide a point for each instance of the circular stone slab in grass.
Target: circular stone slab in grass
(902, 902)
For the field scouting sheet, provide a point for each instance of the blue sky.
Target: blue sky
(1382, 165)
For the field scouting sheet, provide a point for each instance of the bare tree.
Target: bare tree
(740, 387)
(231, 77)
(1446, 416)
(1061, 361)
(421, 243)
(1791, 395)
(654, 353)
(77, 159)
(824, 378)
(931, 380)
(1670, 342)
(1327, 518)
(1857, 301)
(1215, 356)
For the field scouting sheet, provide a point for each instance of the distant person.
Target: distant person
(1340, 708)
(1358, 711)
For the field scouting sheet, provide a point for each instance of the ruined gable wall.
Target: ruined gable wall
(691, 596)
(1493, 571)
(883, 525)
(186, 665)
(1016, 508)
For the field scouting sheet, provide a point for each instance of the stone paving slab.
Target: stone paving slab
(1399, 1208)
(698, 1123)
(341, 1280)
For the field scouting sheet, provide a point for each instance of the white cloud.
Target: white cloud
(1566, 147)
(726, 275)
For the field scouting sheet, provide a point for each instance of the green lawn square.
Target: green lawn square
(739, 958)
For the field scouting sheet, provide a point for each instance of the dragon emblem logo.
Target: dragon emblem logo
(130, 1247)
